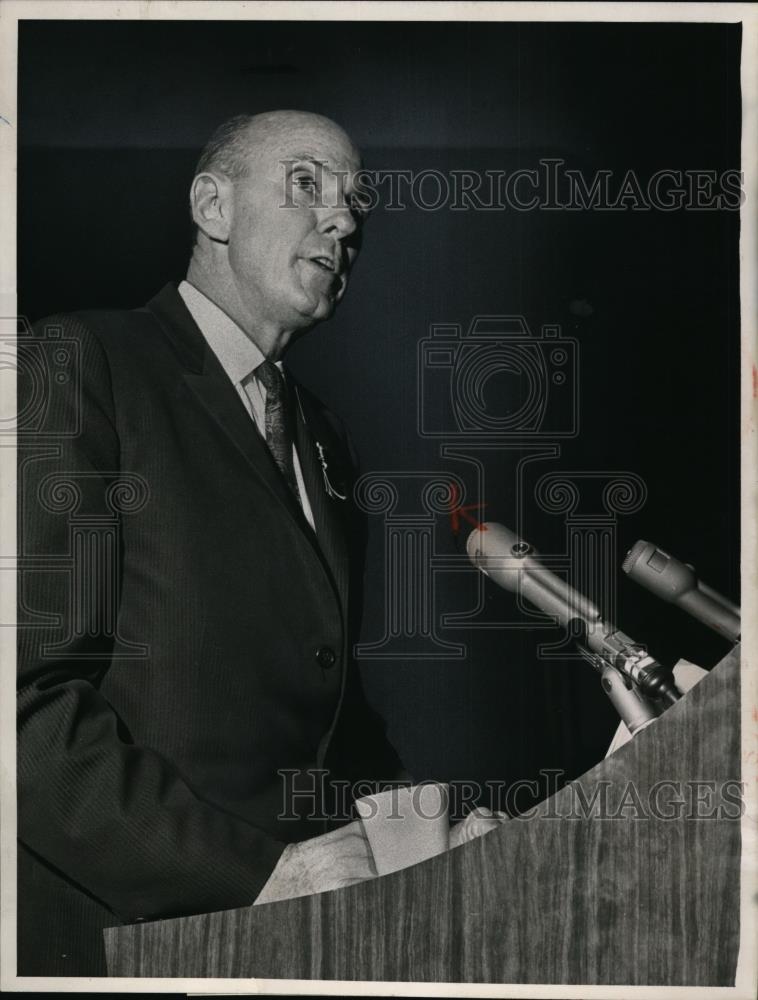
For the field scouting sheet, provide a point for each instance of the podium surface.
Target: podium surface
(629, 875)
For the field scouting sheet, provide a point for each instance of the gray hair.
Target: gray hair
(226, 152)
(228, 149)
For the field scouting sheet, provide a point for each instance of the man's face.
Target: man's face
(295, 227)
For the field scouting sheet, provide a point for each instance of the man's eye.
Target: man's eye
(360, 208)
(305, 181)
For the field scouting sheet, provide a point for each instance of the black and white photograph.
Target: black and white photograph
(379, 390)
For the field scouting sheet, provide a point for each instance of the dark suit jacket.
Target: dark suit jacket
(183, 635)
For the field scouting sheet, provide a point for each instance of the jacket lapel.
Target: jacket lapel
(225, 407)
(208, 381)
(329, 529)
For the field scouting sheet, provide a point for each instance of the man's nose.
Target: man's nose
(339, 221)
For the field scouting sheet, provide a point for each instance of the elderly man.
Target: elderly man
(184, 679)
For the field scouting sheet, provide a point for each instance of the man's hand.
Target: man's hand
(478, 822)
(332, 861)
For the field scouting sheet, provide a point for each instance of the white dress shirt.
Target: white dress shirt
(239, 356)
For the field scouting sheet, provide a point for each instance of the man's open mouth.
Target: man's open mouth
(324, 262)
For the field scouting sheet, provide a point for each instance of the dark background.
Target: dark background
(112, 118)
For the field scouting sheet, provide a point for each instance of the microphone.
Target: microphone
(676, 582)
(514, 564)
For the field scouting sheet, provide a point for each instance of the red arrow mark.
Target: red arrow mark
(459, 511)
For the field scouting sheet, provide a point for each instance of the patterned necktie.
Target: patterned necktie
(278, 421)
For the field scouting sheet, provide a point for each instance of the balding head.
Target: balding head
(278, 222)
(234, 146)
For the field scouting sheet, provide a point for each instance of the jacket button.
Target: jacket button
(326, 657)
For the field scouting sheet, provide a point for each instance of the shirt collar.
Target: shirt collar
(236, 352)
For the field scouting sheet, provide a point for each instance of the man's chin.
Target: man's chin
(320, 309)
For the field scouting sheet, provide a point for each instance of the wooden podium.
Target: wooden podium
(570, 895)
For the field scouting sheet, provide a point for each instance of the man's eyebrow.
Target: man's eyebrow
(315, 161)
(306, 158)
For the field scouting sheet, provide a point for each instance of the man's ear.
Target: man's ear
(211, 203)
